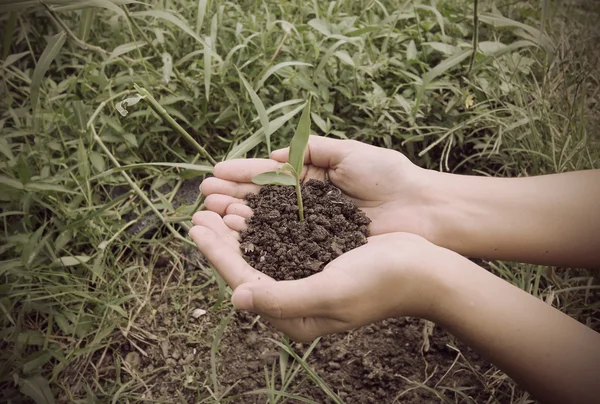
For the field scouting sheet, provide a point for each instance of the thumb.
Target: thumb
(321, 152)
(309, 297)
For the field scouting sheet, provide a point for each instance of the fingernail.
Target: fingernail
(242, 299)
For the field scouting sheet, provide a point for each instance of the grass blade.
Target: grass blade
(176, 21)
(300, 140)
(277, 67)
(500, 21)
(185, 166)
(248, 144)
(37, 388)
(200, 15)
(311, 373)
(54, 46)
(8, 34)
(446, 65)
(85, 25)
(125, 48)
(260, 108)
(207, 66)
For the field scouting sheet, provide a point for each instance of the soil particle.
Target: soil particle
(279, 245)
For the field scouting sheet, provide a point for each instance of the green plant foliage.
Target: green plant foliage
(89, 198)
(297, 150)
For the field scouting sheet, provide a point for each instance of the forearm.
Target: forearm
(551, 355)
(552, 219)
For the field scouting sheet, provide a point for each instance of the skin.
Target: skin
(423, 222)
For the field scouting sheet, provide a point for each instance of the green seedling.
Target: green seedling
(295, 162)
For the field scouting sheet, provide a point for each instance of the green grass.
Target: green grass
(76, 281)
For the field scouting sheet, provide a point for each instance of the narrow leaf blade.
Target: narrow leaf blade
(300, 140)
(207, 67)
(54, 46)
(260, 108)
(274, 178)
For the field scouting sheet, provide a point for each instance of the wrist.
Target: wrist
(448, 212)
(446, 274)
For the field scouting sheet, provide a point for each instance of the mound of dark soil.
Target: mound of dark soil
(279, 245)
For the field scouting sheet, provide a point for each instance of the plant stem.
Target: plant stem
(475, 35)
(138, 191)
(299, 195)
(164, 115)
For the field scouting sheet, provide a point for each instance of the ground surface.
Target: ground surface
(387, 362)
(102, 297)
(279, 245)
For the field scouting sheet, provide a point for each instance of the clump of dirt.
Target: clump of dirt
(279, 245)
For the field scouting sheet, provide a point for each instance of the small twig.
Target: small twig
(475, 35)
(164, 115)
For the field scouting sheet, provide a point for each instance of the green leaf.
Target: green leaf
(286, 167)
(54, 46)
(207, 66)
(344, 57)
(97, 161)
(23, 170)
(85, 24)
(277, 67)
(42, 186)
(320, 122)
(260, 108)
(37, 388)
(178, 22)
(322, 26)
(34, 362)
(328, 55)
(11, 182)
(125, 48)
(72, 261)
(362, 31)
(83, 163)
(8, 34)
(500, 21)
(446, 65)
(200, 15)
(112, 5)
(186, 166)
(81, 116)
(300, 140)
(442, 47)
(247, 145)
(10, 59)
(411, 51)
(274, 178)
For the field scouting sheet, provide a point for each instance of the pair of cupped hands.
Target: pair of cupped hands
(390, 276)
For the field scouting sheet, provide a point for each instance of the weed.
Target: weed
(95, 264)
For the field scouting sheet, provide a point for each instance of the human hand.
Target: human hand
(383, 183)
(353, 290)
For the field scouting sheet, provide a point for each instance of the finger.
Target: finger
(226, 260)
(321, 151)
(235, 222)
(309, 297)
(243, 170)
(219, 203)
(215, 222)
(239, 209)
(215, 185)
